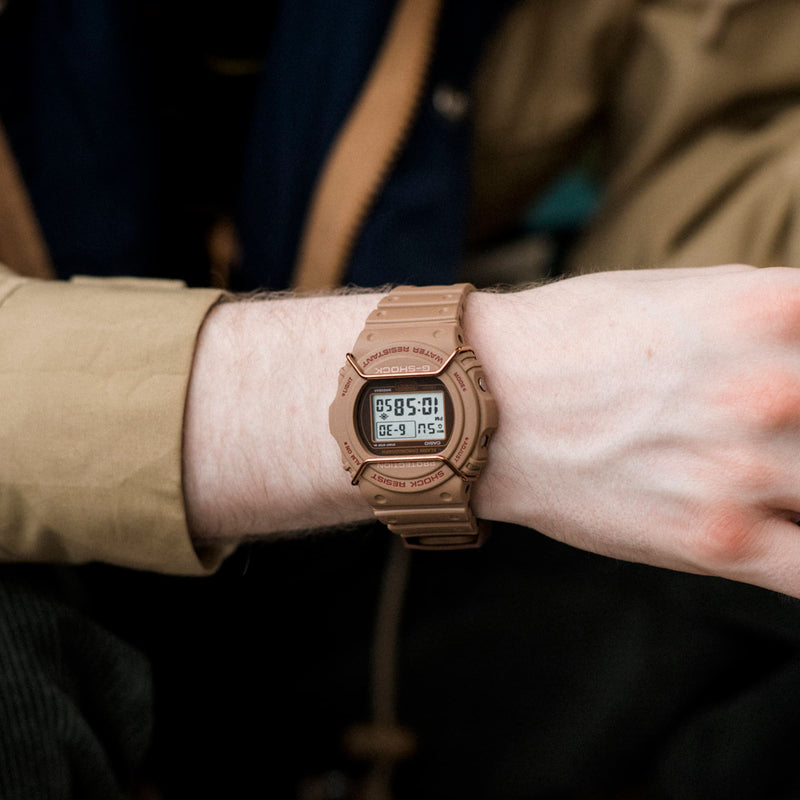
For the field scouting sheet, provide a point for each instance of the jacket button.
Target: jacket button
(450, 103)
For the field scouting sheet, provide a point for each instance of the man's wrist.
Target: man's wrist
(258, 456)
(508, 331)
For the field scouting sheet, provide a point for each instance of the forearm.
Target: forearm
(258, 456)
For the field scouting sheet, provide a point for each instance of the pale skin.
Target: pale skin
(652, 416)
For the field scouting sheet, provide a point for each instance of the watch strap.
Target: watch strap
(429, 314)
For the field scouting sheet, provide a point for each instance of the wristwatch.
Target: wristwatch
(413, 417)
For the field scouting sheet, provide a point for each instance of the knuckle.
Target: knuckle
(772, 306)
(777, 405)
(767, 400)
(726, 539)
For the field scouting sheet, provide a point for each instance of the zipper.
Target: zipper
(367, 146)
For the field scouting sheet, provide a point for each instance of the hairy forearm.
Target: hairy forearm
(258, 457)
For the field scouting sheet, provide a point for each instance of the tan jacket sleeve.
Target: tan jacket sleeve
(703, 142)
(93, 380)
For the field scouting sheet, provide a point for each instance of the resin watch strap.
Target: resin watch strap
(429, 314)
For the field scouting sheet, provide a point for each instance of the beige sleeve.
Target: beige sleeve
(93, 379)
(544, 77)
(703, 144)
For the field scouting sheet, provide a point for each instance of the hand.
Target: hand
(652, 416)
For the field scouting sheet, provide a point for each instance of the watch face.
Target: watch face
(405, 416)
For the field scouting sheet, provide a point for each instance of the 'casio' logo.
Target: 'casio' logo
(401, 369)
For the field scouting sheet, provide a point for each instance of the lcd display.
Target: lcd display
(409, 416)
(405, 416)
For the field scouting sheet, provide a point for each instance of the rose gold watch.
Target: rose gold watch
(413, 417)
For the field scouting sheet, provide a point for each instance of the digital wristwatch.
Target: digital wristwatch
(413, 417)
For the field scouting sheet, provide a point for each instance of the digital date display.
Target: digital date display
(408, 416)
(405, 416)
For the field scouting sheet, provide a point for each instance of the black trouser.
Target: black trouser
(527, 670)
(75, 700)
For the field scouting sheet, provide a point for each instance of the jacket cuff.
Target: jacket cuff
(93, 381)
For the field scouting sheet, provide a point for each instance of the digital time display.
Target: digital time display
(409, 416)
(405, 416)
